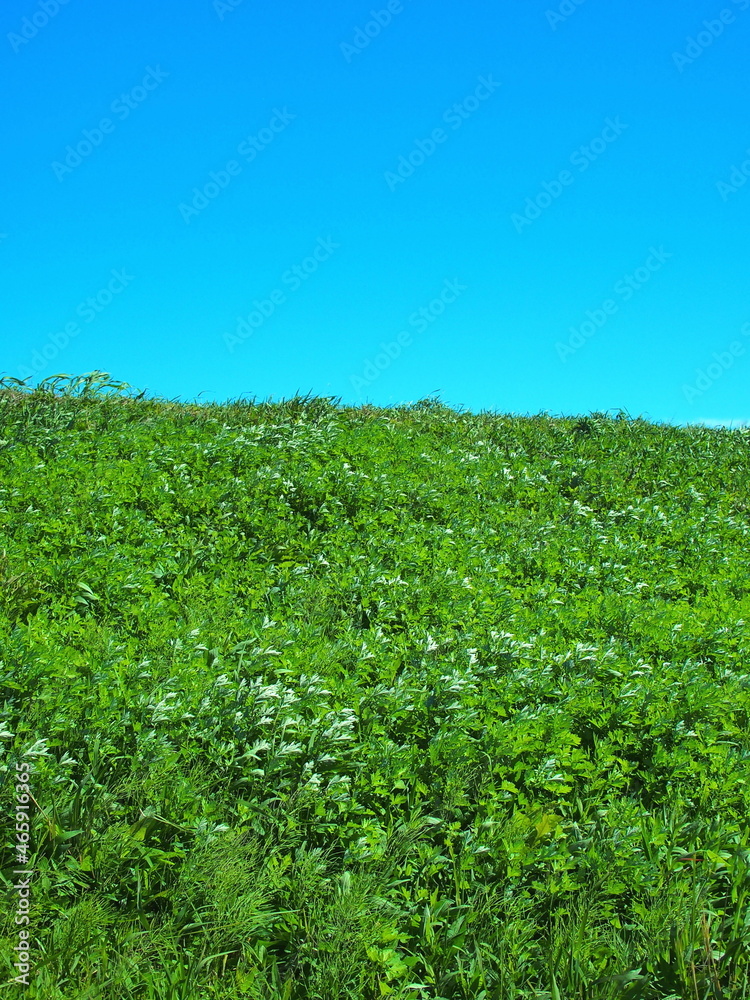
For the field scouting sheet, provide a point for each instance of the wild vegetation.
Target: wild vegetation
(351, 703)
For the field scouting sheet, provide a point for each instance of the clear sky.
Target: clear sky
(521, 207)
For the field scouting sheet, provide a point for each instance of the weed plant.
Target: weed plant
(329, 703)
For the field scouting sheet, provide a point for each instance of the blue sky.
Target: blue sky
(520, 207)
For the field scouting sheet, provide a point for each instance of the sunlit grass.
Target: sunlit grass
(349, 703)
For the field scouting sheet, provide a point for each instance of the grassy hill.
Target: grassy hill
(322, 702)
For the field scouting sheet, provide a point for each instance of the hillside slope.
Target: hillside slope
(353, 703)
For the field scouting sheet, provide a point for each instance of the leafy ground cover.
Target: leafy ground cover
(336, 703)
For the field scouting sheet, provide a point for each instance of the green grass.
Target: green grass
(344, 704)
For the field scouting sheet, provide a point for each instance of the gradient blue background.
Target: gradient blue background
(323, 176)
